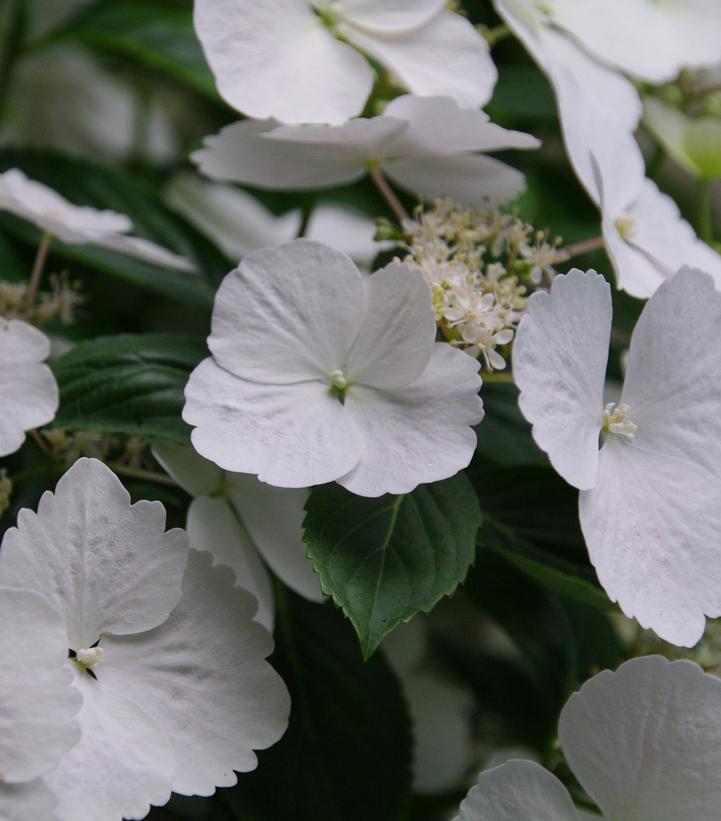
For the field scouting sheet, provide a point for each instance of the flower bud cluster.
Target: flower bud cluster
(481, 265)
(61, 302)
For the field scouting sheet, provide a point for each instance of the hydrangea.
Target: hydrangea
(79, 225)
(298, 60)
(319, 373)
(428, 145)
(245, 525)
(644, 742)
(650, 502)
(28, 390)
(165, 656)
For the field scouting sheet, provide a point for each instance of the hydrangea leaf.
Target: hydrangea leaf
(385, 559)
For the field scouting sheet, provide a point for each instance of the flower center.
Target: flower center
(88, 657)
(338, 385)
(616, 421)
(626, 226)
(329, 11)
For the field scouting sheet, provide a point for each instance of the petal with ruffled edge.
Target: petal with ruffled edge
(466, 178)
(104, 564)
(37, 702)
(517, 790)
(420, 433)
(293, 435)
(645, 741)
(395, 343)
(559, 364)
(32, 799)
(446, 56)
(385, 16)
(278, 60)
(203, 677)
(288, 314)
(28, 390)
(438, 125)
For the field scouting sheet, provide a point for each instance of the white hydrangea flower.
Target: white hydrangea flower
(168, 661)
(650, 503)
(238, 223)
(245, 525)
(283, 59)
(644, 742)
(319, 373)
(648, 39)
(37, 704)
(79, 225)
(28, 390)
(428, 145)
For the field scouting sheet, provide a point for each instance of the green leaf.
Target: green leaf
(129, 384)
(347, 752)
(152, 33)
(504, 435)
(384, 560)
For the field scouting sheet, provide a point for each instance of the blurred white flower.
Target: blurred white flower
(319, 373)
(79, 225)
(238, 223)
(428, 145)
(165, 654)
(644, 742)
(302, 61)
(245, 525)
(37, 703)
(28, 391)
(648, 39)
(650, 502)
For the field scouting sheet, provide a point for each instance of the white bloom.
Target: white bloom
(79, 225)
(245, 525)
(37, 703)
(238, 223)
(644, 742)
(28, 391)
(650, 39)
(428, 145)
(650, 503)
(319, 373)
(180, 695)
(283, 60)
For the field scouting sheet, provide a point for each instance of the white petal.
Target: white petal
(289, 435)
(123, 762)
(289, 157)
(559, 364)
(469, 179)
(213, 526)
(141, 248)
(288, 314)
(203, 677)
(197, 476)
(37, 702)
(645, 741)
(386, 16)
(347, 230)
(233, 219)
(445, 56)
(438, 125)
(273, 518)
(517, 791)
(32, 799)
(104, 564)
(278, 60)
(28, 391)
(395, 343)
(420, 433)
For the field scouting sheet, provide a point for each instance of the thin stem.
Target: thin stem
(584, 247)
(497, 376)
(40, 442)
(495, 34)
(37, 271)
(146, 475)
(306, 214)
(389, 195)
(704, 220)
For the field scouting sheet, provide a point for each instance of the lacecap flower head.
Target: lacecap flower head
(320, 373)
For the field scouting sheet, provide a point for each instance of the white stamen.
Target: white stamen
(339, 380)
(626, 226)
(616, 421)
(89, 656)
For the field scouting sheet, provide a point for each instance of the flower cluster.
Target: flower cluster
(481, 266)
(61, 302)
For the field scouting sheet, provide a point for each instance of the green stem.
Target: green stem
(305, 215)
(704, 221)
(495, 34)
(37, 272)
(388, 194)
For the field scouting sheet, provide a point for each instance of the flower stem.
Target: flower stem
(493, 35)
(388, 194)
(306, 214)
(704, 221)
(497, 376)
(37, 271)
(584, 247)
(146, 475)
